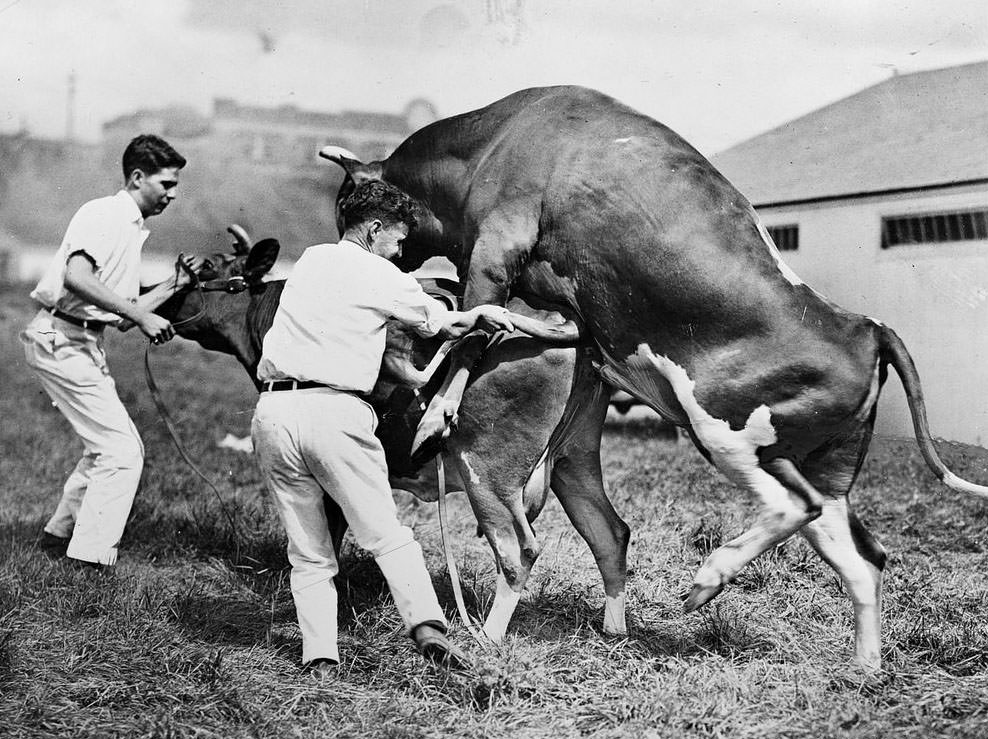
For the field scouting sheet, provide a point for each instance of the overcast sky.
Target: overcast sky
(717, 72)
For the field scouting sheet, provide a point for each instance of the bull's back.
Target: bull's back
(647, 242)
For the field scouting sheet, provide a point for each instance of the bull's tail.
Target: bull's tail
(894, 352)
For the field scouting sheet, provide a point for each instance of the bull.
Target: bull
(523, 426)
(565, 195)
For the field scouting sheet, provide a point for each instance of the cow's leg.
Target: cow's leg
(577, 482)
(508, 418)
(441, 414)
(504, 240)
(788, 502)
(497, 502)
(848, 547)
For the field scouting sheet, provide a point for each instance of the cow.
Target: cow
(565, 195)
(523, 421)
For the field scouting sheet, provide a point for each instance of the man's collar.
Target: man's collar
(354, 244)
(132, 210)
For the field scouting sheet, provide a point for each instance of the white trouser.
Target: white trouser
(310, 441)
(97, 498)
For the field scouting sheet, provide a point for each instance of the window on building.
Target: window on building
(935, 228)
(786, 238)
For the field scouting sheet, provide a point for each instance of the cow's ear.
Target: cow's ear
(261, 258)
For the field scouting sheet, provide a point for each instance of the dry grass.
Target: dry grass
(195, 635)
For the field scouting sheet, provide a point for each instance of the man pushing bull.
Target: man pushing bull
(314, 433)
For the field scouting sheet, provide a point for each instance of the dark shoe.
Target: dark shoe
(435, 647)
(90, 569)
(53, 546)
(322, 668)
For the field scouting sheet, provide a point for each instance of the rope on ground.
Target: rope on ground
(454, 573)
(173, 432)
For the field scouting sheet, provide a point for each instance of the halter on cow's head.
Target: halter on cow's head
(209, 299)
(429, 238)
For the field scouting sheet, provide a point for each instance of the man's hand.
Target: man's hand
(158, 329)
(492, 318)
(485, 317)
(184, 274)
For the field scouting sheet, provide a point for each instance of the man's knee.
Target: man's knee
(125, 451)
(392, 540)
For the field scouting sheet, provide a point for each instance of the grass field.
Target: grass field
(195, 633)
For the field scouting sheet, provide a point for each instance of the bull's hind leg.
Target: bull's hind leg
(788, 502)
(578, 483)
(847, 546)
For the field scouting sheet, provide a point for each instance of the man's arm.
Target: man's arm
(80, 278)
(489, 317)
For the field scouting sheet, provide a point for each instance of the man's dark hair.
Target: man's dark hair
(150, 154)
(377, 200)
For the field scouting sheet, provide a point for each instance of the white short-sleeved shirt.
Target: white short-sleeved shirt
(110, 232)
(330, 326)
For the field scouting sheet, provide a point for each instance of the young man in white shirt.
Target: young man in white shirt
(313, 432)
(94, 282)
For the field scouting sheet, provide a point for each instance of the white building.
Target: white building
(880, 202)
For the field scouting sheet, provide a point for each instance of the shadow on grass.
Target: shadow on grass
(561, 616)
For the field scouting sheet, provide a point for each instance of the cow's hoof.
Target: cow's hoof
(700, 595)
(425, 449)
(429, 437)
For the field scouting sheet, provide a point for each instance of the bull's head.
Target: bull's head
(430, 237)
(211, 310)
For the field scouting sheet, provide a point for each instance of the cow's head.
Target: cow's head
(211, 310)
(429, 238)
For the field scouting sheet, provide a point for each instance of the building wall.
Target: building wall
(935, 296)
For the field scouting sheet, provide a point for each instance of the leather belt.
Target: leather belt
(83, 322)
(275, 386)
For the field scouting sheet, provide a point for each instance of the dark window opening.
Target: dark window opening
(935, 228)
(786, 238)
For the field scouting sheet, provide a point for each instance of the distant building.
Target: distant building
(880, 202)
(279, 137)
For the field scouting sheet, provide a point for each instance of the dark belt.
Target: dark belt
(275, 386)
(84, 322)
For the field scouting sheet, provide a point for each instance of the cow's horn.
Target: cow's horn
(338, 154)
(241, 244)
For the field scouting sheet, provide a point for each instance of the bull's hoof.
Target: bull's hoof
(700, 595)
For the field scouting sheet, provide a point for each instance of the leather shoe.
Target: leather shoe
(322, 668)
(435, 647)
(53, 546)
(90, 569)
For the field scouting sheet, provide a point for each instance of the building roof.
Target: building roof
(925, 129)
(291, 115)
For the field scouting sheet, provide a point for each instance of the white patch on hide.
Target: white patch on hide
(784, 268)
(733, 452)
(622, 141)
(474, 477)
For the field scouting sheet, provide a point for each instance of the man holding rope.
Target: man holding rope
(314, 433)
(94, 282)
